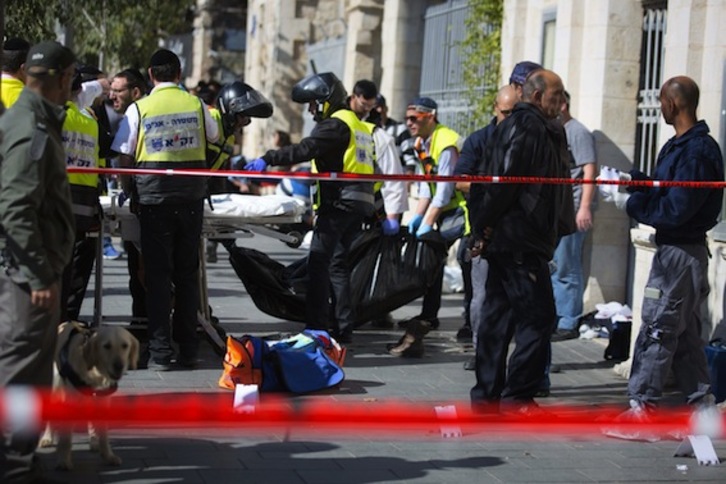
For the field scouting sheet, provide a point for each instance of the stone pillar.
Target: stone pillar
(600, 68)
(402, 38)
(363, 50)
(202, 62)
(274, 62)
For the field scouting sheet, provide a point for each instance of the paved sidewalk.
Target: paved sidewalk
(304, 456)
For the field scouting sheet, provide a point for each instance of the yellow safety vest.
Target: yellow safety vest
(80, 141)
(359, 158)
(377, 185)
(171, 127)
(214, 155)
(441, 139)
(10, 90)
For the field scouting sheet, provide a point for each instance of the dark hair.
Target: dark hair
(166, 72)
(134, 79)
(208, 91)
(15, 50)
(567, 100)
(283, 138)
(365, 88)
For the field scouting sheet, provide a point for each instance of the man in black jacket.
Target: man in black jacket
(515, 226)
(340, 142)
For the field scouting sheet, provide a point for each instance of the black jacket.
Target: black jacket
(326, 144)
(528, 217)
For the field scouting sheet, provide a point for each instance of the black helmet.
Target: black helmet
(324, 89)
(239, 98)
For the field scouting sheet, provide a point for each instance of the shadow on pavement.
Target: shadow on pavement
(153, 459)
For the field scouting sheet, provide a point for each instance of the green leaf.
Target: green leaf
(481, 51)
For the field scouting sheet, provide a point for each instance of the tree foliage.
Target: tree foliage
(121, 33)
(481, 51)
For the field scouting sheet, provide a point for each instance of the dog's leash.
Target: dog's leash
(67, 372)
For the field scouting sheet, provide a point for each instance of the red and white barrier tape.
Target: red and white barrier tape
(25, 408)
(335, 176)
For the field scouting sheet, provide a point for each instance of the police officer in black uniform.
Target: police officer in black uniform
(340, 142)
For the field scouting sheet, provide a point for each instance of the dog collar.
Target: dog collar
(67, 372)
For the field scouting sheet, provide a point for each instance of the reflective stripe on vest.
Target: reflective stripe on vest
(171, 127)
(377, 185)
(215, 159)
(80, 141)
(358, 157)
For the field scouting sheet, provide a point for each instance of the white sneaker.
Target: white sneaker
(636, 414)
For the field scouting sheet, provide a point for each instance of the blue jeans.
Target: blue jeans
(567, 280)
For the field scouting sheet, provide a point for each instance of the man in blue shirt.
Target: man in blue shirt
(670, 336)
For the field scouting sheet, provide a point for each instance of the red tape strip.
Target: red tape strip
(215, 410)
(408, 178)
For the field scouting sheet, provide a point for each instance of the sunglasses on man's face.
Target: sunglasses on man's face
(505, 112)
(417, 118)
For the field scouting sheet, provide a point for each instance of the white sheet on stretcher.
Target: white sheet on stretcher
(252, 206)
(235, 205)
(228, 207)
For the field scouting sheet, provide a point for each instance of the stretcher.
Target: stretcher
(227, 216)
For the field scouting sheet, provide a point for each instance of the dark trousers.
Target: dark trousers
(519, 304)
(432, 299)
(170, 238)
(76, 276)
(328, 268)
(27, 345)
(465, 264)
(136, 285)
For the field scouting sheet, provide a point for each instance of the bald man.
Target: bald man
(515, 227)
(475, 271)
(670, 336)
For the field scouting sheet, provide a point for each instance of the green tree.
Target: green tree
(481, 51)
(120, 33)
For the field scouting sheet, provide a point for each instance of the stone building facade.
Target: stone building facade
(595, 46)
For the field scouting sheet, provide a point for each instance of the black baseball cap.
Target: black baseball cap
(48, 58)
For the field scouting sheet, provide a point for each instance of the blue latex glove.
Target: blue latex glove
(122, 197)
(423, 229)
(258, 164)
(390, 226)
(414, 223)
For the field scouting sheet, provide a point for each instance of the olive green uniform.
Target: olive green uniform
(36, 241)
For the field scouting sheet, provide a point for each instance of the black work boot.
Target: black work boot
(411, 343)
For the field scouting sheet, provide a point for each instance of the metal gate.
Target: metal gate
(651, 79)
(441, 67)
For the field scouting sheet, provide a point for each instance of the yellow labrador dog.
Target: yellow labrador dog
(89, 364)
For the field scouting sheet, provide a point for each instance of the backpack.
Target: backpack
(306, 362)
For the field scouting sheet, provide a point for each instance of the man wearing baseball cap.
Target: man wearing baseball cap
(440, 207)
(36, 236)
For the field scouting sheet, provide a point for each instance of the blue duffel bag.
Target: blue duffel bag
(716, 356)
